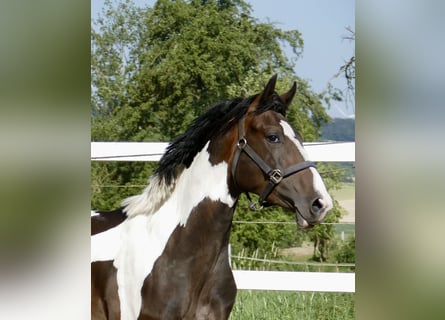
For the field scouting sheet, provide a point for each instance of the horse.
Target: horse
(164, 253)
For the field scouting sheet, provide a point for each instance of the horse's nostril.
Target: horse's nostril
(317, 205)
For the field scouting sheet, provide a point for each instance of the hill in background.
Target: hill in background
(339, 130)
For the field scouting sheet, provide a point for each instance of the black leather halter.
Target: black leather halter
(275, 175)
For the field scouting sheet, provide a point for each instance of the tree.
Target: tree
(187, 56)
(114, 57)
(346, 251)
(348, 69)
(155, 69)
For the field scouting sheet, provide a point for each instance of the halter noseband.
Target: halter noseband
(275, 175)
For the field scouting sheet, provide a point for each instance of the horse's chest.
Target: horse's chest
(188, 291)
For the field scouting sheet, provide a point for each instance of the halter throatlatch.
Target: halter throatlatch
(275, 175)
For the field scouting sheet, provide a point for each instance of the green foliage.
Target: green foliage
(346, 251)
(111, 182)
(263, 236)
(113, 55)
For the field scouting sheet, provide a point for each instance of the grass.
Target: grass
(346, 192)
(283, 305)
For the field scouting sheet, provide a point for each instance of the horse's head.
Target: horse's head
(270, 160)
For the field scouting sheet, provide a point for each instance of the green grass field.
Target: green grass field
(346, 192)
(284, 305)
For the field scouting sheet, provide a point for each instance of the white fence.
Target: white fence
(253, 280)
(295, 281)
(153, 151)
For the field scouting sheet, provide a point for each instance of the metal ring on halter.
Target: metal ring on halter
(255, 206)
(241, 143)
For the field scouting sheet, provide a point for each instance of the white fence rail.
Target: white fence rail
(295, 281)
(153, 151)
(253, 280)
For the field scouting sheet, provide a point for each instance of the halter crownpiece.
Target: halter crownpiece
(275, 175)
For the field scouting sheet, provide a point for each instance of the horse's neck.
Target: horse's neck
(201, 202)
(202, 180)
(207, 230)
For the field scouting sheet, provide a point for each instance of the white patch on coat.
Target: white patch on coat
(139, 241)
(319, 185)
(289, 132)
(320, 188)
(104, 245)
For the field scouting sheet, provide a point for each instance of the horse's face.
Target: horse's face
(280, 147)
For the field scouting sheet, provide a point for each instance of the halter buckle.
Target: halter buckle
(255, 206)
(276, 176)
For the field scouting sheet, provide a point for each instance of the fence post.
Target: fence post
(229, 248)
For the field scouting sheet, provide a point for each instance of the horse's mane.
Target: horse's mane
(180, 153)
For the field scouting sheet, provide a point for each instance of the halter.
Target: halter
(275, 175)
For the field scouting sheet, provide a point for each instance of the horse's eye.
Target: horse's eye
(273, 138)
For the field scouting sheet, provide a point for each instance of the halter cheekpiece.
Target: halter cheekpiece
(275, 175)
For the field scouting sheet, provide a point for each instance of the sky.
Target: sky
(322, 24)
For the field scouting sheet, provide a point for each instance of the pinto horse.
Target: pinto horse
(164, 253)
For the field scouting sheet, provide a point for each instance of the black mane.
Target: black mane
(216, 120)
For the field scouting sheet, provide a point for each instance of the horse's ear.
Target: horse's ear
(289, 96)
(269, 90)
(264, 96)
